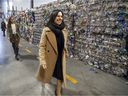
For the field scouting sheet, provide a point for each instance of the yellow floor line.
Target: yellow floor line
(74, 81)
(29, 51)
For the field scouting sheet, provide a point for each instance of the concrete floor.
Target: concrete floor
(17, 78)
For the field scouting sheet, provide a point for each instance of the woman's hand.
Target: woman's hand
(44, 66)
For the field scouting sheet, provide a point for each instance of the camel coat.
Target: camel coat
(48, 55)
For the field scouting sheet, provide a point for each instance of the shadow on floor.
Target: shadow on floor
(71, 92)
(34, 57)
(50, 91)
(4, 61)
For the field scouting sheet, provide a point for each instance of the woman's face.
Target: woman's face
(59, 18)
(12, 20)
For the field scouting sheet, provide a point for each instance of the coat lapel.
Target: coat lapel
(65, 35)
(52, 39)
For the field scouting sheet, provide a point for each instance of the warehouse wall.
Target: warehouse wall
(26, 3)
(3, 6)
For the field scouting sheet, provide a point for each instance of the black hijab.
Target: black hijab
(57, 29)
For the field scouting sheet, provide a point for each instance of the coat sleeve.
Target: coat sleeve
(9, 31)
(66, 39)
(42, 48)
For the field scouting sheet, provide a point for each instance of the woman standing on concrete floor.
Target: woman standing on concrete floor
(12, 31)
(53, 51)
(3, 27)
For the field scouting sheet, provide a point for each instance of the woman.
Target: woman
(3, 27)
(53, 51)
(14, 37)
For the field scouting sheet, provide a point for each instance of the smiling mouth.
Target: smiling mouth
(59, 20)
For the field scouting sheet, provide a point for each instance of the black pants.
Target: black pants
(16, 49)
(3, 32)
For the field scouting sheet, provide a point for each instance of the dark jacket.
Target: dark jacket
(3, 26)
(14, 38)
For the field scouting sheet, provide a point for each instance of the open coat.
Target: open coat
(14, 38)
(48, 55)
